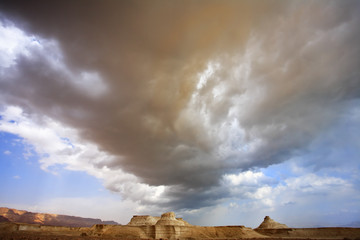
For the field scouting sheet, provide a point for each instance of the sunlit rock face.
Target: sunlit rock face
(270, 223)
(143, 220)
(169, 219)
(165, 220)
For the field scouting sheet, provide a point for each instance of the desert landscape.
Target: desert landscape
(180, 119)
(18, 224)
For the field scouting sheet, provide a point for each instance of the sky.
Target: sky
(221, 111)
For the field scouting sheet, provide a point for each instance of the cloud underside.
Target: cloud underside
(165, 101)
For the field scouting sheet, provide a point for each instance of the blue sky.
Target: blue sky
(23, 177)
(194, 108)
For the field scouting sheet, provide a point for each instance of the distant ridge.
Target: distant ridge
(21, 216)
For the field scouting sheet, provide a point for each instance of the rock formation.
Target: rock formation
(169, 219)
(14, 215)
(165, 219)
(141, 220)
(270, 223)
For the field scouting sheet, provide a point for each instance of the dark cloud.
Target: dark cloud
(281, 73)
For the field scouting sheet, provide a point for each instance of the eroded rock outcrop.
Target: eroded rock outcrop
(270, 223)
(169, 219)
(165, 220)
(140, 220)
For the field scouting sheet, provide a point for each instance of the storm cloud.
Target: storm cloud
(177, 95)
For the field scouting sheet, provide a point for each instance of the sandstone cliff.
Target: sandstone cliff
(169, 219)
(14, 215)
(165, 219)
(141, 220)
(270, 223)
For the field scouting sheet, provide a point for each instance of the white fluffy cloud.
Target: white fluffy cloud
(246, 178)
(60, 146)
